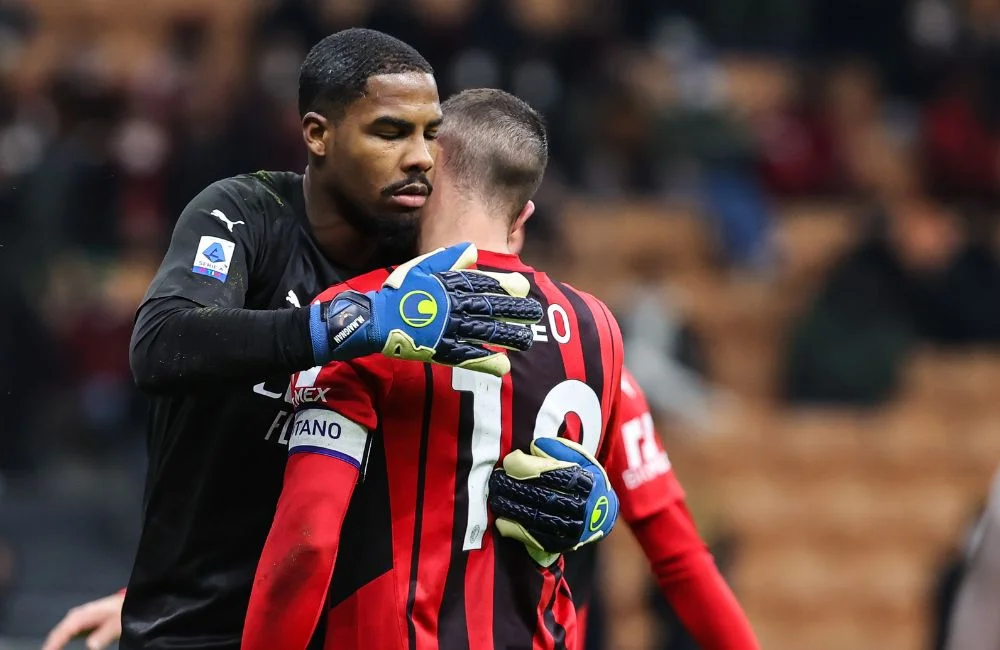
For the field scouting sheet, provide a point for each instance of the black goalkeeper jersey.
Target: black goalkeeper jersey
(217, 453)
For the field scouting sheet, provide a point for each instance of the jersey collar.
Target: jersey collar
(505, 261)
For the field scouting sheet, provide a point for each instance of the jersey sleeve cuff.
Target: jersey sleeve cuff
(318, 334)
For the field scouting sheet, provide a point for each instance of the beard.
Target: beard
(395, 234)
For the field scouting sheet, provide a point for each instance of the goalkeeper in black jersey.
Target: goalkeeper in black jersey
(227, 320)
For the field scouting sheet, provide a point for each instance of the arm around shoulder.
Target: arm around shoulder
(192, 327)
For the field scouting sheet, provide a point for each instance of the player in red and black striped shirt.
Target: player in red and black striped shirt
(652, 504)
(654, 507)
(422, 567)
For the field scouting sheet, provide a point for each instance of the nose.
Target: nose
(419, 156)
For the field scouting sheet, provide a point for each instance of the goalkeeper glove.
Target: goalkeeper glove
(554, 500)
(429, 309)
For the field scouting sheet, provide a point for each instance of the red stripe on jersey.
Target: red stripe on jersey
(557, 623)
(597, 311)
(406, 448)
(564, 611)
(581, 626)
(543, 635)
(438, 510)
(479, 577)
(556, 600)
(572, 350)
(612, 357)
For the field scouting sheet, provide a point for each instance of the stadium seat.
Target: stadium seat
(127, 35)
(809, 238)
(630, 230)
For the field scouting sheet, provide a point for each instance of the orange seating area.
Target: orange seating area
(128, 36)
(843, 517)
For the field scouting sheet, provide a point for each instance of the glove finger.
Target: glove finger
(458, 256)
(562, 449)
(522, 469)
(533, 493)
(557, 494)
(511, 284)
(540, 523)
(505, 308)
(505, 335)
(567, 451)
(515, 531)
(574, 480)
(522, 466)
(472, 357)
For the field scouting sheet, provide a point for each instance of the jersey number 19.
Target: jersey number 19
(570, 396)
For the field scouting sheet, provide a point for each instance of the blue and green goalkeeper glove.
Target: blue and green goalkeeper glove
(431, 309)
(554, 500)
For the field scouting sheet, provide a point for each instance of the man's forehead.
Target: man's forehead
(412, 93)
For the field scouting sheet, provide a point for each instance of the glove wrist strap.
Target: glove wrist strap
(340, 328)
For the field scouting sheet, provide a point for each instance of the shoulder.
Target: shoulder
(602, 315)
(251, 196)
(633, 399)
(280, 188)
(243, 189)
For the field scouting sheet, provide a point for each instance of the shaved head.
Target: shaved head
(496, 148)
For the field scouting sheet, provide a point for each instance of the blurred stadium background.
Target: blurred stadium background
(791, 204)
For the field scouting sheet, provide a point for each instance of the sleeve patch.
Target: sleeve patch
(321, 431)
(213, 257)
(645, 457)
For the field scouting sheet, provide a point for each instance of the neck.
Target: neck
(466, 221)
(339, 241)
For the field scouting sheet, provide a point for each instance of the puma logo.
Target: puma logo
(292, 299)
(224, 219)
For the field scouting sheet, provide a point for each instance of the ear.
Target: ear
(523, 216)
(515, 240)
(316, 132)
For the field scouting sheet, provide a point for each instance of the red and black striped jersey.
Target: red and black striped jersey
(419, 566)
(652, 504)
(642, 477)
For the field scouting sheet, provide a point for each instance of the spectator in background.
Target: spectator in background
(674, 130)
(798, 150)
(662, 350)
(812, 144)
(917, 277)
(961, 147)
(109, 410)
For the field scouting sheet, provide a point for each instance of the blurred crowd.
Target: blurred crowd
(114, 114)
(104, 138)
